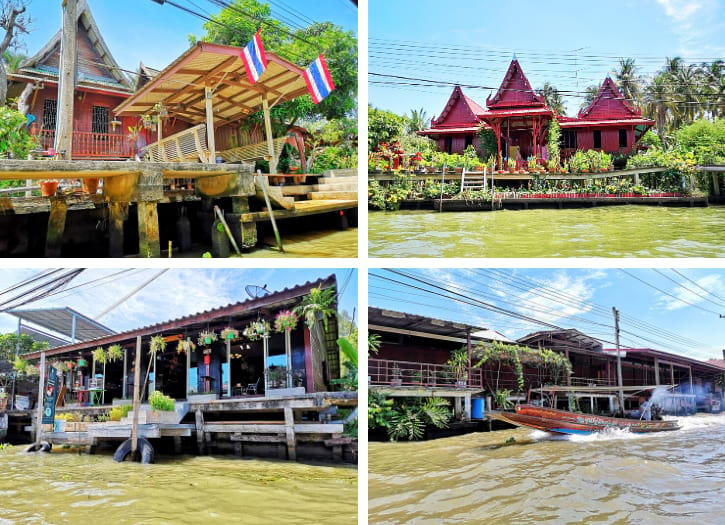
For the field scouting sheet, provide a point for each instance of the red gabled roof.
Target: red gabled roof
(460, 111)
(609, 104)
(515, 91)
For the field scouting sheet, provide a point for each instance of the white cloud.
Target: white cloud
(695, 22)
(693, 295)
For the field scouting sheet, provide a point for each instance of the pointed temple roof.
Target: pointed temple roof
(96, 67)
(515, 91)
(609, 108)
(460, 115)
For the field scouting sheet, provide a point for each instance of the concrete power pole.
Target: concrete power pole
(66, 80)
(619, 360)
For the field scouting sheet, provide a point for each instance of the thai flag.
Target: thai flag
(254, 58)
(319, 81)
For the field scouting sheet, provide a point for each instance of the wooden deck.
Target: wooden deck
(301, 209)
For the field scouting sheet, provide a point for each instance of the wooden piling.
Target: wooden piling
(200, 438)
(136, 396)
(248, 231)
(117, 215)
(289, 428)
(56, 227)
(148, 229)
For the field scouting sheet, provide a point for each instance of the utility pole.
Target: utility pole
(66, 80)
(619, 359)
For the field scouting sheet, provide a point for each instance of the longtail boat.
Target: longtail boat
(565, 422)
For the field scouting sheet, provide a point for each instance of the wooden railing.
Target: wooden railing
(89, 145)
(188, 145)
(408, 373)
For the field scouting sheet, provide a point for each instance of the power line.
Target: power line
(668, 294)
(709, 292)
(679, 285)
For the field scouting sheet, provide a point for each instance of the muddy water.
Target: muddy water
(616, 231)
(667, 478)
(328, 243)
(79, 489)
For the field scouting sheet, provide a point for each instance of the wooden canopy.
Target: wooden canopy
(181, 86)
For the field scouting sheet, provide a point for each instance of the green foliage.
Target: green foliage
(120, 411)
(349, 380)
(99, 355)
(115, 353)
(160, 401)
(14, 137)
(318, 303)
(489, 144)
(501, 399)
(705, 139)
(556, 365)
(458, 362)
(157, 344)
(554, 139)
(373, 343)
(25, 344)
(240, 23)
(383, 127)
(650, 139)
(408, 421)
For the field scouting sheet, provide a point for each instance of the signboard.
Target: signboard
(50, 396)
(22, 402)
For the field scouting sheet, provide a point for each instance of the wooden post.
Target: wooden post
(117, 214)
(125, 373)
(715, 183)
(289, 429)
(56, 227)
(208, 94)
(268, 132)
(188, 367)
(288, 353)
(41, 390)
(148, 230)
(136, 397)
(265, 369)
(248, 239)
(199, 420)
(229, 368)
(66, 80)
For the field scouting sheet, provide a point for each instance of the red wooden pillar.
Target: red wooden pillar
(309, 376)
(496, 126)
(535, 135)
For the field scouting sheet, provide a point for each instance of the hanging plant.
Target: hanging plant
(157, 344)
(81, 362)
(70, 364)
(185, 345)
(99, 355)
(285, 321)
(60, 366)
(207, 337)
(229, 333)
(317, 304)
(114, 353)
(256, 330)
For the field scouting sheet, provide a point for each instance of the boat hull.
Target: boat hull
(564, 422)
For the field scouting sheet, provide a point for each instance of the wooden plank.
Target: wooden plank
(245, 428)
(200, 438)
(258, 438)
(302, 208)
(289, 427)
(319, 428)
(56, 227)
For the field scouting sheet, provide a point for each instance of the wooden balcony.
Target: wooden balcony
(93, 146)
(411, 374)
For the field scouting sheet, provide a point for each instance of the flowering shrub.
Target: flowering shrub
(285, 321)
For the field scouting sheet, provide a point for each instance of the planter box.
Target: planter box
(146, 416)
(75, 426)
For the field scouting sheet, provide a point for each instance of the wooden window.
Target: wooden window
(99, 124)
(622, 138)
(50, 110)
(568, 139)
(597, 138)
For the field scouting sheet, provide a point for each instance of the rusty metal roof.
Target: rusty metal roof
(180, 86)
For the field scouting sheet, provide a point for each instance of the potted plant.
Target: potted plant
(257, 330)
(206, 337)
(501, 398)
(185, 345)
(458, 363)
(285, 321)
(229, 333)
(48, 188)
(511, 163)
(157, 344)
(115, 353)
(277, 377)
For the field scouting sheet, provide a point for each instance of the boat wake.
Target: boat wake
(699, 421)
(606, 435)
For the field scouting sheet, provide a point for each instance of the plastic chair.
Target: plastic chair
(252, 387)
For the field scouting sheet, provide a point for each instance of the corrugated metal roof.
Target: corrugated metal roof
(65, 321)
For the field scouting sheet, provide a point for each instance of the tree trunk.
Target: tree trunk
(10, 26)
(3, 83)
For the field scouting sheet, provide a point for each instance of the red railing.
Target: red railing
(89, 145)
(408, 373)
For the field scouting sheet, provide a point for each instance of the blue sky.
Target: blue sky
(142, 30)
(589, 296)
(178, 292)
(571, 44)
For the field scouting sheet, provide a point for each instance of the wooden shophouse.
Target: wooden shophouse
(288, 363)
(100, 86)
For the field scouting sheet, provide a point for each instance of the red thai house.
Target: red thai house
(457, 126)
(520, 119)
(518, 116)
(610, 123)
(100, 87)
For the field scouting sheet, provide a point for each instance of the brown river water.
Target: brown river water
(65, 487)
(620, 478)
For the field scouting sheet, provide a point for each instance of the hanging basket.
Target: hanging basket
(285, 321)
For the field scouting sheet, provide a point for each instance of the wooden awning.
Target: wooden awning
(181, 86)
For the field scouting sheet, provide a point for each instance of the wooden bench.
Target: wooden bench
(253, 151)
(185, 146)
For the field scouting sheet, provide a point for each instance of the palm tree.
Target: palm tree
(553, 99)
(656, 105)
(13, 60)
(628, 81)
(713, 88)
(417, 120)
